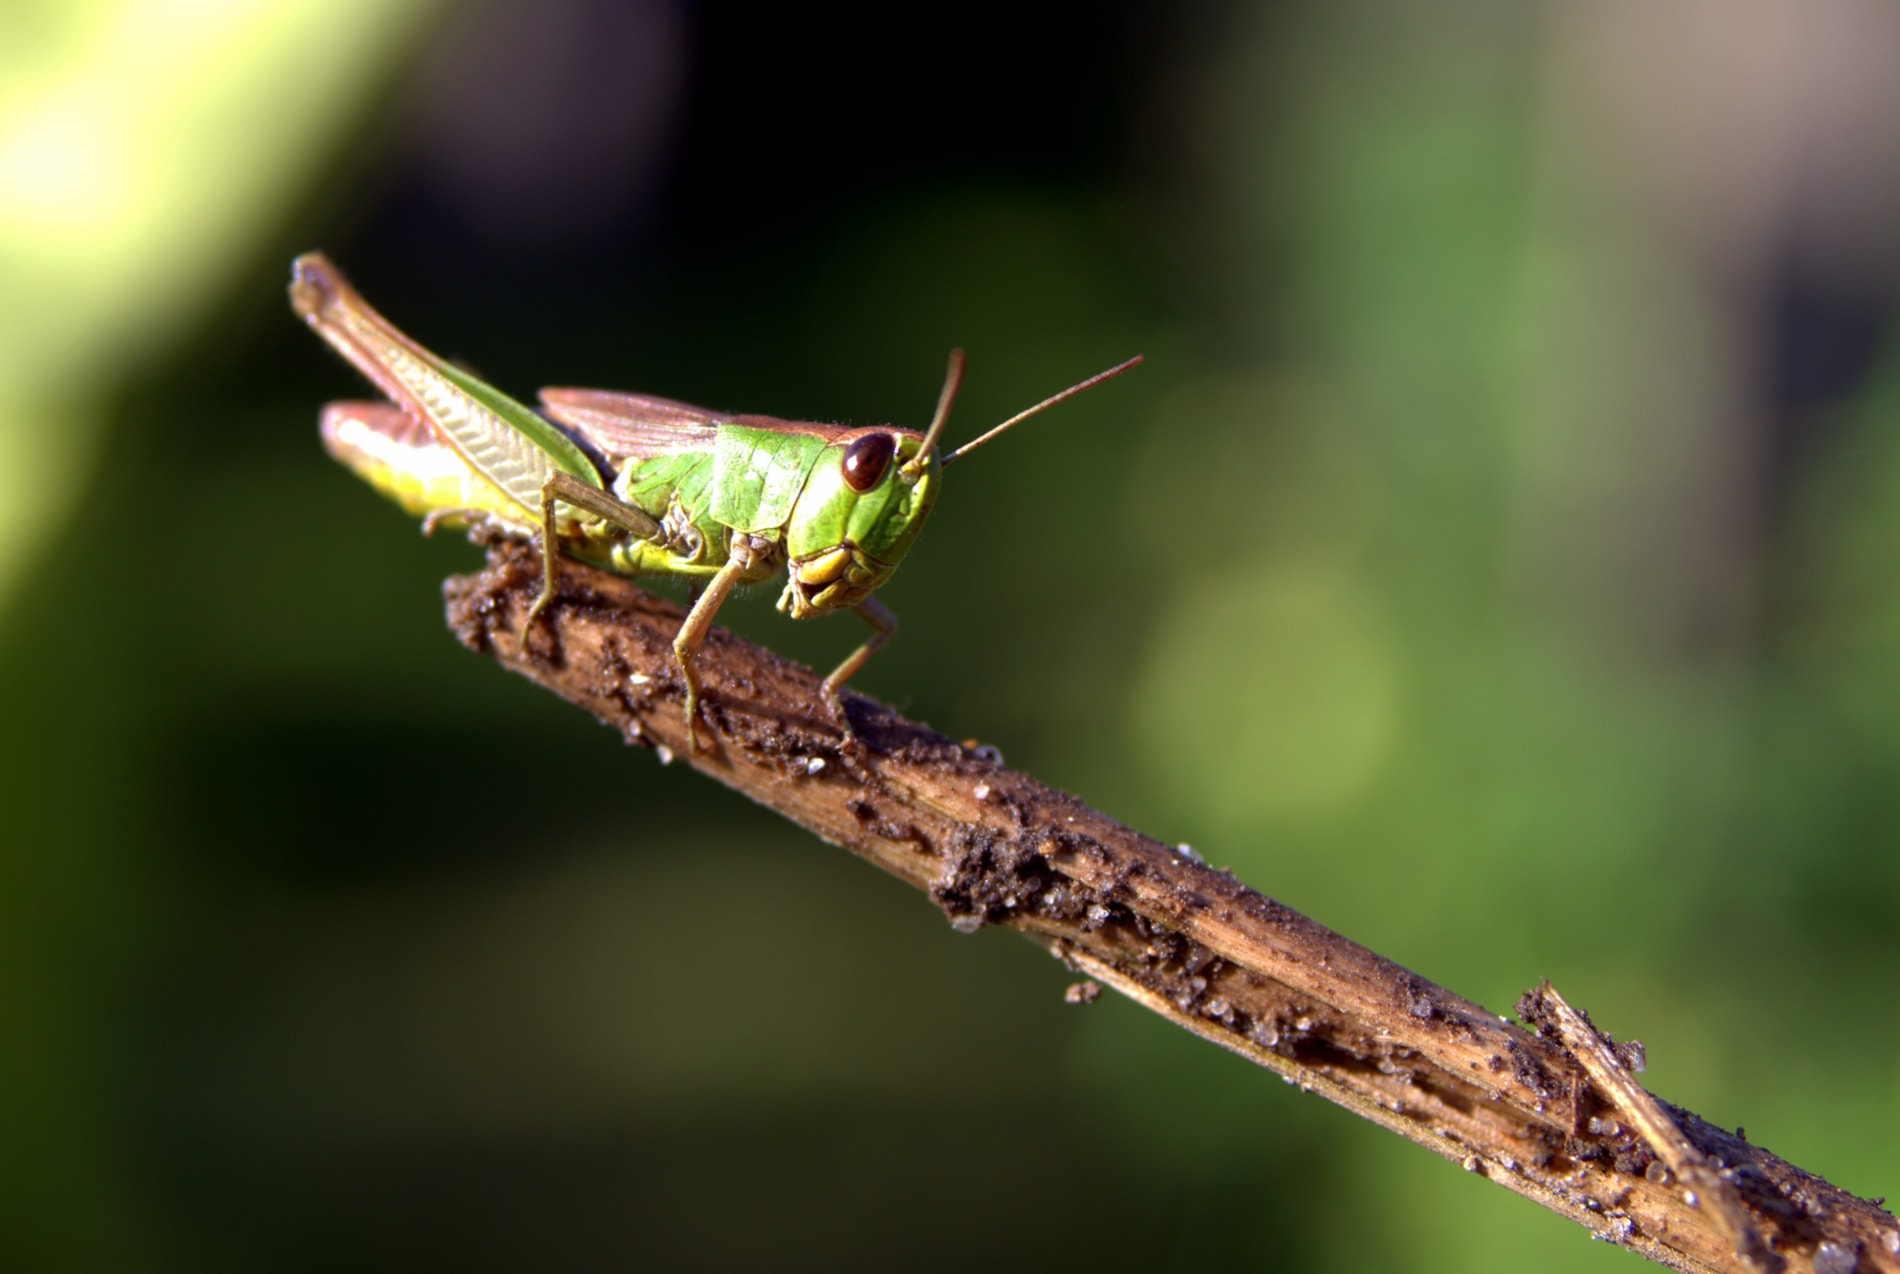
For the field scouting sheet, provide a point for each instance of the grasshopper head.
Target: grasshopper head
(868, 496)
(862, 506)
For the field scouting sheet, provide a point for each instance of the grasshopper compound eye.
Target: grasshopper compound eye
(866, 460)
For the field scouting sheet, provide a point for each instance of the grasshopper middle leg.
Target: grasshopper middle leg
(692, 635)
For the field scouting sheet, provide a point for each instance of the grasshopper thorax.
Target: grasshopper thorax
(859, 512)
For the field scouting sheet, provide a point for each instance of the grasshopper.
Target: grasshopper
(642, 485)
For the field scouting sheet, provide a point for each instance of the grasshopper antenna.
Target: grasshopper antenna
(1021, 416)
(952, 381)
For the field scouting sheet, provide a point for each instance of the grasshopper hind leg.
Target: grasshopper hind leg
(570, 490)
(546, 594)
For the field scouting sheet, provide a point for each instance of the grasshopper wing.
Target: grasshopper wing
(405, 458)
(503, 441)
(623, 427)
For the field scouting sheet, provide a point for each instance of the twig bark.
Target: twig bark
(992, 846)
(1702, 1182)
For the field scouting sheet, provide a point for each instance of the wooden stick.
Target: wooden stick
(1703, 1184)
(995, 847)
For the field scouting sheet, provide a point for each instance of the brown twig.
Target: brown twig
(992, 846)
(1702, 1182)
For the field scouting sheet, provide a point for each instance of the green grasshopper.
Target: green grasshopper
(641, 485)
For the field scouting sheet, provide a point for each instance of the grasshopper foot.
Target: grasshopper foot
(853, 750)
(834, 702)
(693, 716)
(692, 730)
(534, 612)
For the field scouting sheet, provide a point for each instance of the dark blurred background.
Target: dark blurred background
(1495, 559)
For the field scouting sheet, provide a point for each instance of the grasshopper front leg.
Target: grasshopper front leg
(884, 626)
(572, 491)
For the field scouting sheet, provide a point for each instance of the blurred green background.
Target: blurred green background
(1494, 560)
